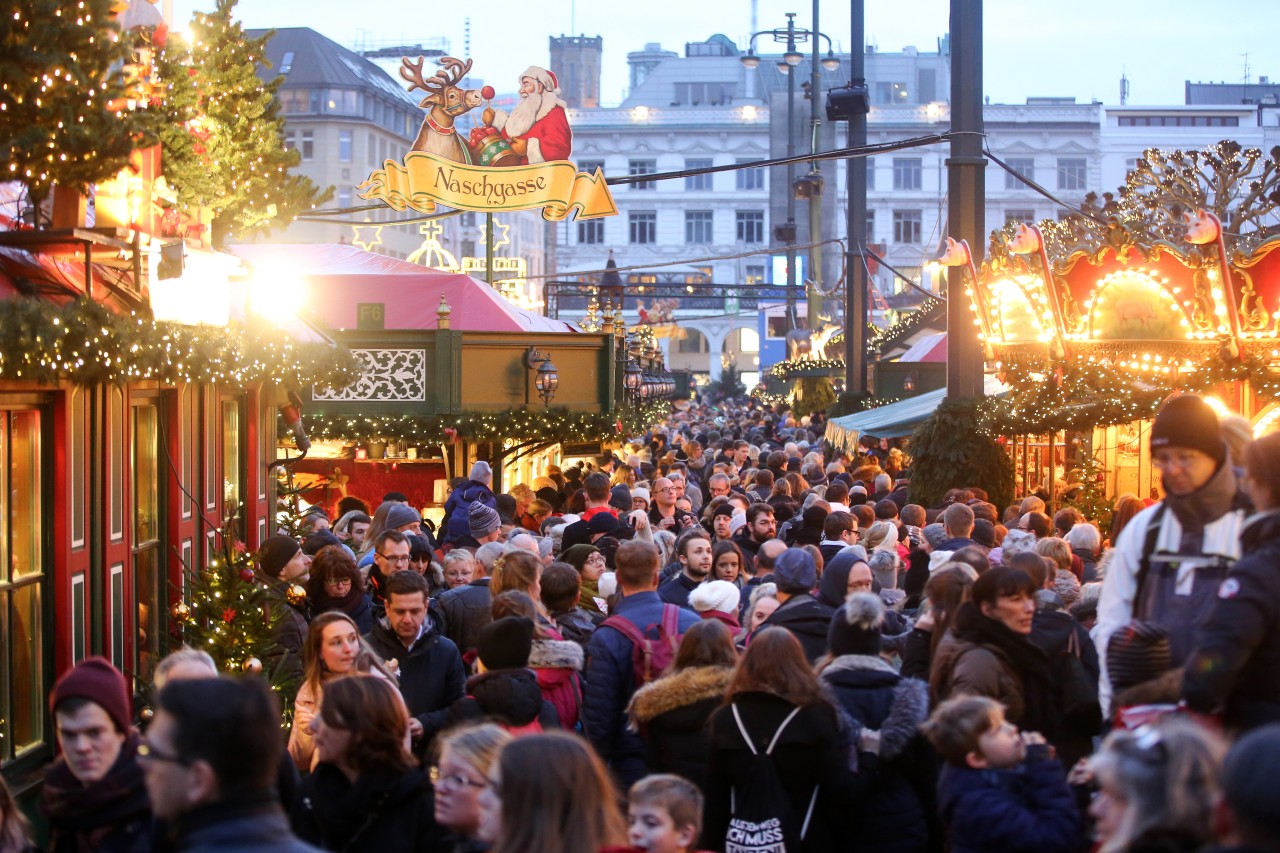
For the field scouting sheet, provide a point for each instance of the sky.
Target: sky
(1035, 48)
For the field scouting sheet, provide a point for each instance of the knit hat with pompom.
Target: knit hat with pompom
(855, 629)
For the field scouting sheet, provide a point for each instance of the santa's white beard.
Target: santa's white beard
(525, 113)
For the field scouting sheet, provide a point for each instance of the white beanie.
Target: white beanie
(715, 595)
(736, 521)
(481, 473)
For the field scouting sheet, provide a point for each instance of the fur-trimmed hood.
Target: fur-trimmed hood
(686, 687)
(910, 697)
(556, 654)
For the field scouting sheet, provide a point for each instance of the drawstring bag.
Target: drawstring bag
(762, 819)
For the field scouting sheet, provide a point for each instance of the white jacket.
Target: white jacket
(1115, 606)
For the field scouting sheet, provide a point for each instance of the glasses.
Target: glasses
(337, 581)
(400, 560)
(148, 752)
(454, 781)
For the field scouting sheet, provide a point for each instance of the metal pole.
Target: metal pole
(855, 279)
(967, 194)
(488, 248)
(791, 176)
(814, 304)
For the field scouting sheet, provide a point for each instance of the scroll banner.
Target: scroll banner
(424, 180)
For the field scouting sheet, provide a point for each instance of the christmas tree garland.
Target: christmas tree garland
(84, 343)
(552, 424)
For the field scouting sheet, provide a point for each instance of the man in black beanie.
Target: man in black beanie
(1172, 558)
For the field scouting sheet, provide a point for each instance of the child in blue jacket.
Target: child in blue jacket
(1000, 790)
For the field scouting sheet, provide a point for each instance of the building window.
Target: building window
(750, 226)
(697, 226)
(1018, 214)
(373, 149)
(590, 166)
(871, 173)
(344, 146)
(591, 232)
(702, 94)
(755, 274)
(23, 680)
(290, 140)
(294, 101)
(344, 197)
(1072, 173)
(870, 236)
(907, 172)
(1024, 166)
(643, 226)
(1178, 121)
(906, 226)
(891, 93)
(749, 179)
(692, 343)
(643, 167)
(1130, 165)
(308, 146)
(697, 182)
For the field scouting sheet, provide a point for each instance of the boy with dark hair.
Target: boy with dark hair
(1000, 790)
(561, 588)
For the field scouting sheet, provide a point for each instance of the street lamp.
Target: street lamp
(632, 379)
(791, 58)
(547, 378)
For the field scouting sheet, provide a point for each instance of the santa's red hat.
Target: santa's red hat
(544, 76)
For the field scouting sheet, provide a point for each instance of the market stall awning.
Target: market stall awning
(931, 348)
(340, 278)
(896, 419)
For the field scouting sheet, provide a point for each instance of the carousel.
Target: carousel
(1170, 286)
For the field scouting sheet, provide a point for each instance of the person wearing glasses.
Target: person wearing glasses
(391, 552)
(336, 584)
(1172, 559)
(93, 795)
(367, 792)
(467, 753)
(210, 762)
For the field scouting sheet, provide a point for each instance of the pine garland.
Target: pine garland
(86, 344)
(552, 424)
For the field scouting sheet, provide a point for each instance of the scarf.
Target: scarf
(1027, 660)
(348, 604)
(1206, 504)
(590, 591)
(118, 798)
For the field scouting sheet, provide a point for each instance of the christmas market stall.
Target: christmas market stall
(1171, 286)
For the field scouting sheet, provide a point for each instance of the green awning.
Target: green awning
(894, 420)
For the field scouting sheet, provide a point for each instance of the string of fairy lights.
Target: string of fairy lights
(84, 343)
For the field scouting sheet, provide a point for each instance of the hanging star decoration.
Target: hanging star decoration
(367, 242)
(500, 234)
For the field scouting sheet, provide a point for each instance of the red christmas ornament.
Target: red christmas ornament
(228, 615)
(246, 574)
(618, 426)
(451, 434)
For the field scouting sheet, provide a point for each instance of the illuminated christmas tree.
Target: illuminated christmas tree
(228, 611)
(222, 132)
(64, 114)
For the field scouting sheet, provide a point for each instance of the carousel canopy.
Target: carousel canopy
(339, 278)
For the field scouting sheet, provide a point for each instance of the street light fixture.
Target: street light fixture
(751, 62)
(547, 378)
(831, 62)
(632, 379)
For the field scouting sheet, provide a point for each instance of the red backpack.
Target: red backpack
(652, 657)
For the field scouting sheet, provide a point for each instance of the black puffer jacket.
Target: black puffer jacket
(899, 814)
(465, 611)
(431, 674)
(807, 618)
(671, 715)
(1235, 665)
(1052, 631)
(383, 811)
(510, 697)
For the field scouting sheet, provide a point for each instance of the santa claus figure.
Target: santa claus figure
(538, 127)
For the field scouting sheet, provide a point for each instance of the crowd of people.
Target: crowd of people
(728, 636)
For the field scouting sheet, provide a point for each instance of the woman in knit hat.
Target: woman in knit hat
(671, 712)
(590, 564)
(894, 815)
(717, 600)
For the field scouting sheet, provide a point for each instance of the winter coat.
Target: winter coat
(611, 682)
(1088, 564)
(1052, 631)
(917, 654)
(576, 625)
(1235, 666)
(898, 812)
(458, 508)
(291, 633)
(112, 815)
(430, 672)
(250, 826)
(466, 610)
(813, 751)
(381, 810)
(994, 811)
(671, 715)
(961, 667)
(558, 667)
(510, 697)
(807, 618)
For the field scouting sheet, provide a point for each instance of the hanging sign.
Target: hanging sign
(512, 161)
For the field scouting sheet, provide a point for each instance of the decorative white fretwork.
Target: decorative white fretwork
(388, 376)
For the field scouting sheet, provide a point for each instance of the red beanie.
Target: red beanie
(101, 683)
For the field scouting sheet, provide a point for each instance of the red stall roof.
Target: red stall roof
(338, 277)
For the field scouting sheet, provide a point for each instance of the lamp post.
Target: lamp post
(791, 36)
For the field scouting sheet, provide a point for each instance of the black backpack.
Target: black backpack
(761, 817)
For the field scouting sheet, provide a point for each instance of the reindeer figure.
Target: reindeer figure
(444, 102)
